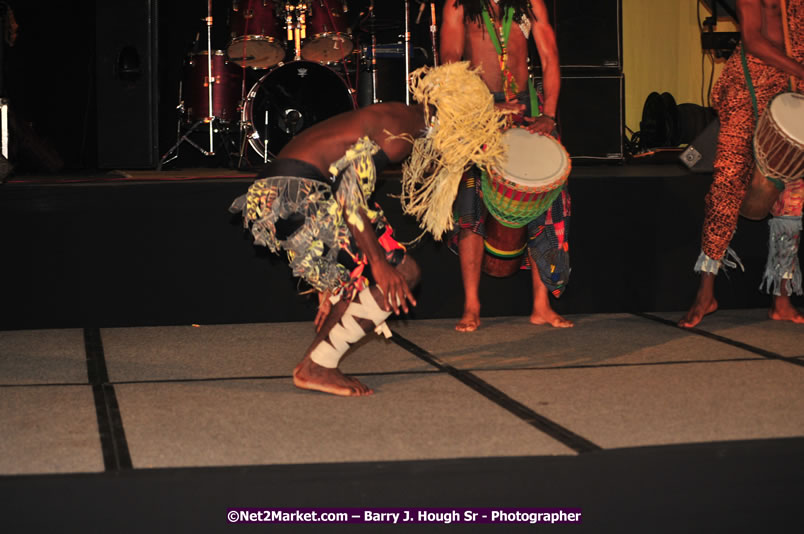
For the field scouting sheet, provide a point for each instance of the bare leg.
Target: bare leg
(704, 304)
(470, 254)
(542, 311)
(782, 308)
(310, 375)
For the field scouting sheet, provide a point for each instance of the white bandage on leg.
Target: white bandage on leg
(330, 351)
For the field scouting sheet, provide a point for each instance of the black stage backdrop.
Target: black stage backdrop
(160, 253)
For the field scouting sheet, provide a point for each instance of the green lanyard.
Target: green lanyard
(509, 84)
(508, 17)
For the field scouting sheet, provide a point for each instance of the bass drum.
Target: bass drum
(290, 98)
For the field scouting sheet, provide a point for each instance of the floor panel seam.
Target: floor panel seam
(114, 446)
(722, 339)
(565, 436)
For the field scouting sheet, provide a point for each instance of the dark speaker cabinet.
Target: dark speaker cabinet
(591, 116)
(127, 103)
(588, 32)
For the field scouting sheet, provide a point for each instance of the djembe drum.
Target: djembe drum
(525, 186)
(778, 151)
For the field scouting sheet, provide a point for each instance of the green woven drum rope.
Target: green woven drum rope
(515, 210)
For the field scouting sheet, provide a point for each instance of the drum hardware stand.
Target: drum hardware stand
(433, 33)
(407, 50)
(214, 126)
(211, 80)
(372, 24)
(298, 30)
(211, 120)
(432, 28)
(174, 150)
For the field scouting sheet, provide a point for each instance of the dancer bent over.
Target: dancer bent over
(313, 203)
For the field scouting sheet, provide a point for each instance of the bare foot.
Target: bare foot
(705, 302)
(310, 375)
(542, 312)
(783, 310)
(700, 308)
(469, 322)
(550, 317)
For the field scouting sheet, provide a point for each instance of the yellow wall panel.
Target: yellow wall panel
(662, 52)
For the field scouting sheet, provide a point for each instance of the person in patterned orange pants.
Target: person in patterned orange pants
(760, 64)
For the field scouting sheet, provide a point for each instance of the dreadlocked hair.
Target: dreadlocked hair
(472, 9)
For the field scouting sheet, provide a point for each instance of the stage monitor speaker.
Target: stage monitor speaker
(699, 156)
(127, 103)
(591, 117)
(588, 32)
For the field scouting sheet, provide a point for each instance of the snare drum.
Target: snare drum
(778, 151)
(529, 180)
(225, 89)
(329, 39)
(255, 34)
(289, 99)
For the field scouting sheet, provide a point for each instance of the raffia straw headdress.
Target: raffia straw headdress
(465, 131)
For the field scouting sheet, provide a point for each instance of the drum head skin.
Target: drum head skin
(787, 110)
(533, 159)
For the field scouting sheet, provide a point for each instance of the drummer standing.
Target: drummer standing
(494, 36)
(771, 68)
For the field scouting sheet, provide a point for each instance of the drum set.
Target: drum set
(287, 65)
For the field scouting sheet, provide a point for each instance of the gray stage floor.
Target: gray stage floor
(87, 401)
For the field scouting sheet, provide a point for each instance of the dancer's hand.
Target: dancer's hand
(389, 280)
(324, 307)
(395, 290)
(542, 125)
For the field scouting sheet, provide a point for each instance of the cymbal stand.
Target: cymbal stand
(433, 33)
(372, 23)
(209, 76)
(211, 120)
(407, 50)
